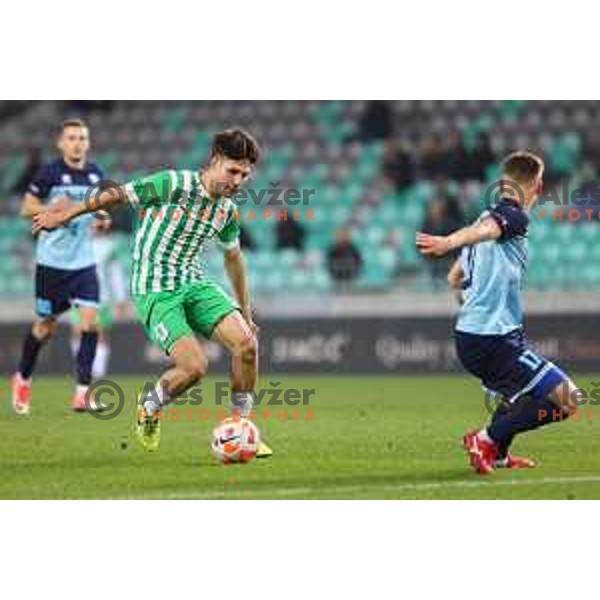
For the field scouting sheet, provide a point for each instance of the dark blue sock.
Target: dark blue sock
(29, 355)
(85, 357)
(526, 414)
(504, 444)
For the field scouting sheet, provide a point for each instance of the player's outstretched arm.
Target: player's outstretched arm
(235, 266)
(438, 245)
(103, 200)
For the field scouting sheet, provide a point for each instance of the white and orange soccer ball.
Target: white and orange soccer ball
(235, 440)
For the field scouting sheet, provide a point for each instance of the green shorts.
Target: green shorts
(192, 308)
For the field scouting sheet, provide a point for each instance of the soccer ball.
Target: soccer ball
(235, 440)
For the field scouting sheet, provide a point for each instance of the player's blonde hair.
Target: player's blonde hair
(522, 167)
(72, 123)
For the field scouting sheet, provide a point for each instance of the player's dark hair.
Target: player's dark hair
(236, 144)
(72, 123)
(522, 167)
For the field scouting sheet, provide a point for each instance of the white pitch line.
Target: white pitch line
(347, 489)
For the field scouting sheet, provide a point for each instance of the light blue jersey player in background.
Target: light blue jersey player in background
(490, 340)
(65, 273)
(114, 295)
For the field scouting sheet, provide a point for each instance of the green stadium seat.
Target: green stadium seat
(474, 128)
(539, 275)
(174, 119)
(109, 161)
(11, 171)
(492, 173)
(375, 235)
(564, 154)
(551, 252)
(590, 232)
(510, 109)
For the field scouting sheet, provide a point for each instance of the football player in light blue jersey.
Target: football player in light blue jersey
(490, 340)
(65, 262)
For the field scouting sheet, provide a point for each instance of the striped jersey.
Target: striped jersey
(175, 220)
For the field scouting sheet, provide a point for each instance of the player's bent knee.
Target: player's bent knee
(89, 328)
(197, 369)
(249, 349)
(89, 320)
(44, 330)
(186, 353)
(565, 395)
(193, 362)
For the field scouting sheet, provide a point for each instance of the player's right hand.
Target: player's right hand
(48, 220)
(432, 245)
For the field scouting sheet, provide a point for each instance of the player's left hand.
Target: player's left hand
(247, 314)
(48, 220)
(432, 245)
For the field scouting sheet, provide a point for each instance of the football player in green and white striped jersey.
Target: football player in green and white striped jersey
(179, 212)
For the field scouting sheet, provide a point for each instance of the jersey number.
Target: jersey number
(530, 360)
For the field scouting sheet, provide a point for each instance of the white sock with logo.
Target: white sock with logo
(154, 400)
(241, 404)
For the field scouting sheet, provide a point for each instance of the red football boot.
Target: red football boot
(482, 454)
(78, 402)
(515, 462)
(21, 395)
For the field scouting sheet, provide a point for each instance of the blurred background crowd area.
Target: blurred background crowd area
(380, 170)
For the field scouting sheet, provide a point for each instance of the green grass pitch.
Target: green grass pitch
(370, 437)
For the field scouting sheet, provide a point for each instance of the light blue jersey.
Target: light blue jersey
(70, 247)
(493, 274)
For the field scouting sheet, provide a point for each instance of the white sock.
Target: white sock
(100, 366)
(74, 343)
(241, 403)
(24, 381)
(483, 435)
(81, 389)
(155, 400)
